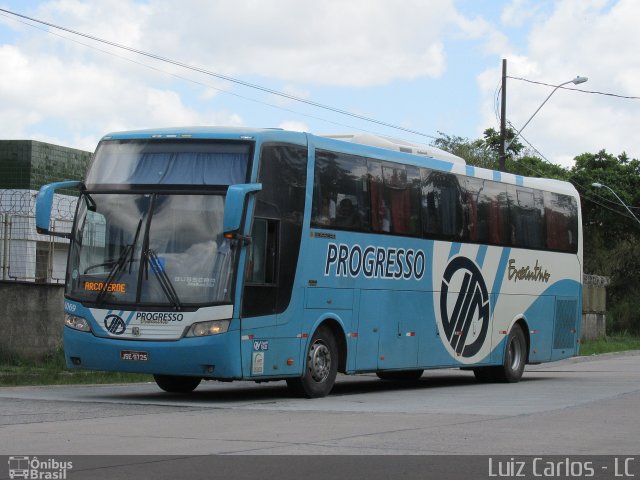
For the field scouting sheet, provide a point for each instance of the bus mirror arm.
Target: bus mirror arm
(44, 205)
(234, 209)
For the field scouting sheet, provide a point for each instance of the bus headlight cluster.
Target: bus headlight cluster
(213, 327)
(77, 323)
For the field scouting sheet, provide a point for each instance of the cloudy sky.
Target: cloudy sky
(427, 66)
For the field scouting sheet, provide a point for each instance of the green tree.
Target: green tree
(484, 152)
(474, 152)
(601, 211)
(491, 138)
(532, 166)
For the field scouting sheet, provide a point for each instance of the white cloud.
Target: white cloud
(593, 38)
(85, 99)
(361, 42)
(51, 81)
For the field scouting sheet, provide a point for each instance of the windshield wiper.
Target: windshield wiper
(157, 267)
(119, 264)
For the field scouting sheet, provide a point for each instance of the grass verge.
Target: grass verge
(613, 343)
(53, 371)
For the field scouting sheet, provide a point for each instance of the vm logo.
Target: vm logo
(114, 324)
(465, 320)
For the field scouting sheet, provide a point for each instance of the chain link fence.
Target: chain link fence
(26, 255)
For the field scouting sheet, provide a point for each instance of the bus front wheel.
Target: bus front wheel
(177, 384)
(321, 367)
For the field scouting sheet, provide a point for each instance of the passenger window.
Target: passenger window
(442, 215)
(527, 214)
(561, 221)
(380, 213)
(341, 193)
(395, 198)
(402, 195)
(486, 211)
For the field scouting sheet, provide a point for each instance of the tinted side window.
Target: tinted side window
(395, 198)
(561, 220)
(486, 212)
(341, 196)
(442, 212)
(402, 194)
(527, 218)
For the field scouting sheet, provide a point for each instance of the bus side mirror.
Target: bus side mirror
(44, 204)
(234, 207)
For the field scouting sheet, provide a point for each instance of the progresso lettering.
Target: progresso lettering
(374, 262)
(158, 317)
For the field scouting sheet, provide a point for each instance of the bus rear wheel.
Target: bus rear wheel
(321, 367)
(177, 384)
(515, 358)
(401, 375)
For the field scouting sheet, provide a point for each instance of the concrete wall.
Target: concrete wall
(31, 319)
(594, 307)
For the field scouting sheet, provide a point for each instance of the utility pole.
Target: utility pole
(503, 119)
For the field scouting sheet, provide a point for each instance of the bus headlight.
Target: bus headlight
(77, 323)
(213, 327)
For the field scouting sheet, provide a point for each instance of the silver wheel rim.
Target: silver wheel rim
(319, 361)
(515, 354)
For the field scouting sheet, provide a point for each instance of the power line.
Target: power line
(220, 76)
(594, 92)
(207, 85)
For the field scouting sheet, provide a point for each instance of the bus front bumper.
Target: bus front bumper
(215, 356)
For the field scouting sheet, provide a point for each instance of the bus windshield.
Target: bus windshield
(169, 162)
(150, 249)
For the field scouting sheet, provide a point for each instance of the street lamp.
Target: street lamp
(503, 153)
(600, 185)
(576, 81)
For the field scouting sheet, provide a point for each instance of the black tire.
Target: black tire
(515, 357)
(177, 384)
(401, 375)
(321, 367)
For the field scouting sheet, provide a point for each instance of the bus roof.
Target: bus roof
(398, 145)
(203, 132)
(398, 150)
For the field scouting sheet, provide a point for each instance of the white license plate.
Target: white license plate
(134, 356)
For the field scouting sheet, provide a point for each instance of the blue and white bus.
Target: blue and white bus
(263, 254)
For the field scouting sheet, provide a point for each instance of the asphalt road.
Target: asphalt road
(582, 406)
